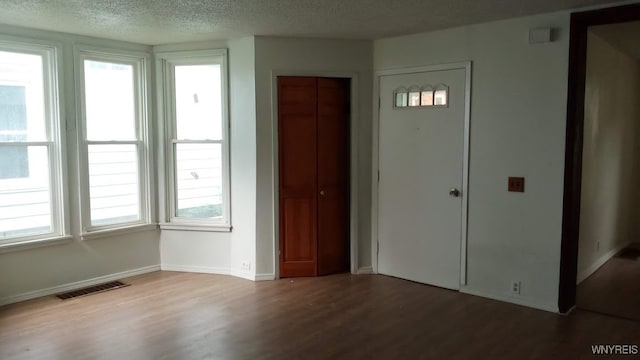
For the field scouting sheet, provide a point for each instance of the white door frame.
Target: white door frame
(375, 166)
(353, 149)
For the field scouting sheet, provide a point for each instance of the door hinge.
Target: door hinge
(378, 250)
(378, 176)
(379, 101)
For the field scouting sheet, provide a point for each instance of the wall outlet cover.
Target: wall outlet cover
(515, 287)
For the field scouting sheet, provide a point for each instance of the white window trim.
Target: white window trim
(141, 69)
(34, 243)
(51, 53)
(166, 113)
(121, 230)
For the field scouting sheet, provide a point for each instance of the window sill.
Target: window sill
(118, 231)
(32, 244)
(196, 227)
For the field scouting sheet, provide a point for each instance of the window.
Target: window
(113, 140)
(196, 146)
(401, 98)
(420, 97)
(414, 97)
(440, 95)
(31, 196)
(426, 99)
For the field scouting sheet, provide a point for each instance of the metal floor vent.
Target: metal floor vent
(92, 290)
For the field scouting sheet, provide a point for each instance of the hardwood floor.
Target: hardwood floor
(170, 315)
(615, 288)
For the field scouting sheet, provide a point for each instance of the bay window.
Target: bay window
(113, 140)
(194, 86)
(31, 180)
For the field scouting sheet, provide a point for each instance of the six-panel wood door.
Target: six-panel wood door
(313, 154)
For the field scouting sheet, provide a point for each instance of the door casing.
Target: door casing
(465, 167)
(353, 162)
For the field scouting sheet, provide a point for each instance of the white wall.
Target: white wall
(33, 272)
(611, 155)
(518, 117)
(195, 251)
(45, 270)
(308, 57)
(243, 156)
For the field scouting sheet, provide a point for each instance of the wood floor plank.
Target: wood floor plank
(170, 315)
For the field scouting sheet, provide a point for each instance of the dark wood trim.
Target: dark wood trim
(580, 23)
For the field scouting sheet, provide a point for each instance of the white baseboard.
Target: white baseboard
(196, 269)
(265, 277)
(365, 270)
(582, 275)
(219, 271)
(242, 274)
(77, 285)
(513, 300)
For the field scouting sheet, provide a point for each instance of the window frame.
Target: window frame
(55, 141)
(141, 75)
(165, 65)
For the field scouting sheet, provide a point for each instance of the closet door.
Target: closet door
(333, 175)
(313, 147)
(297, 155)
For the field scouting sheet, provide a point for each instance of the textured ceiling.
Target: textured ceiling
(623, 36)
(171, 21)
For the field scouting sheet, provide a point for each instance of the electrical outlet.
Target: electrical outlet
(246, 265)
(515, 287)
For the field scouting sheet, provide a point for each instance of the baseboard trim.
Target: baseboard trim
(513, 300)
(365, 270)
(582, 275)
(242, 274)
(196, 269)
(77, 285)
(219, 271)
(265, 277)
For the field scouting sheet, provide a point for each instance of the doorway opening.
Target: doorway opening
(609, 240)
(602, 166)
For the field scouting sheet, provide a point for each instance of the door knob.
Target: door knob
(453, 192)
(321, 192)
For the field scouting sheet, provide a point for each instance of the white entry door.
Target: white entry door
(420, 191)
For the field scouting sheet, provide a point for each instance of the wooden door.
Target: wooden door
(313, 153)
(333, 175)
